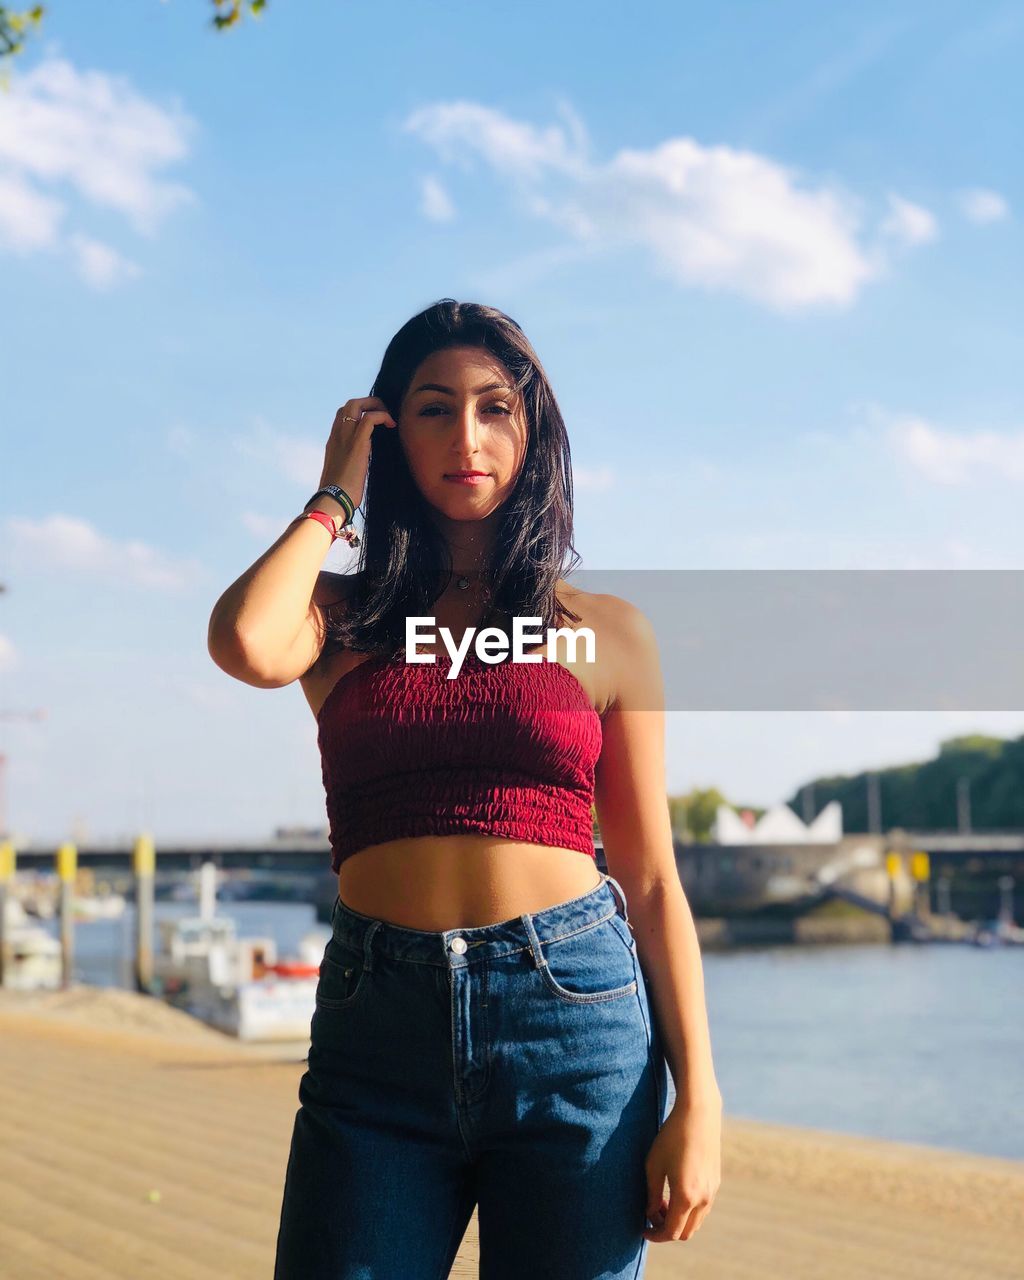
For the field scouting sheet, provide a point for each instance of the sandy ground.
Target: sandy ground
(107, 1096)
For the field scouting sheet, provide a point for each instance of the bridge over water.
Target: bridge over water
(964, 869)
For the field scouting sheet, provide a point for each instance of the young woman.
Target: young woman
(492, 1019)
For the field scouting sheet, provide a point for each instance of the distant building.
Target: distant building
(779, 825)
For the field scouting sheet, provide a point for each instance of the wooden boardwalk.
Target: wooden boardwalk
(99, 1110)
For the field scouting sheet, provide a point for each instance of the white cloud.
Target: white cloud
(854, 494)
(456, 129)
(436, 203)
(909, 222)
(66, 543)
(29, 220)
(954, 458)
(98, 264)
(8, 654)
(296, 458)
(592, 479)
(66, 133)
(714, 217)
(982, 206)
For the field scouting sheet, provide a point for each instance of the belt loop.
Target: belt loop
(536, 951)
(371, 929)
(621, 895)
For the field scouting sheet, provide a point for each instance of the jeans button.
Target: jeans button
(458, 945)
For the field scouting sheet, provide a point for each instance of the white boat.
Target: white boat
(108, 906)
(32, 957)
(236, 984)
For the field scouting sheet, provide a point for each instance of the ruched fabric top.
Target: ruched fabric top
(505, 748)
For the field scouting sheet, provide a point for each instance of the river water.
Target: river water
(909, 1042)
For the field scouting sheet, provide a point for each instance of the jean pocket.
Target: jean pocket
(595, 964)
(342, 976)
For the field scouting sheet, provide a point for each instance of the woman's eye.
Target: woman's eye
(427, 410)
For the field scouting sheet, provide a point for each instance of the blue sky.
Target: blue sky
(770, 256)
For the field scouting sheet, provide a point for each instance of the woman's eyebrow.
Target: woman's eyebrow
(450, 391)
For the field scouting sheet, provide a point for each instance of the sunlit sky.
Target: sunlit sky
(770, 256)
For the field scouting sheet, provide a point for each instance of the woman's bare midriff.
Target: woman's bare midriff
(461, 881)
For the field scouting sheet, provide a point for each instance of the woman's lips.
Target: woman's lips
(466, 479)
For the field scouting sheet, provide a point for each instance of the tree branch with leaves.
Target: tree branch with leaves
(16, 25)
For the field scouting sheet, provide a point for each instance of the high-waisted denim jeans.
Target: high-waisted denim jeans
(516, 1067)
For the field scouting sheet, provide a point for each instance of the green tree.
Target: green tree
(925, 796)
(17, 24)
(693, 814)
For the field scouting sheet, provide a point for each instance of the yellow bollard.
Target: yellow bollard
(67, 869)
(894, 870)
(7, 864)
(144, 867)
(920, 869)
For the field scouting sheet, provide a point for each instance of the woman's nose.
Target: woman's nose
(466, 429)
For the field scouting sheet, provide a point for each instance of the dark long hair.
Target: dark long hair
(405, 563)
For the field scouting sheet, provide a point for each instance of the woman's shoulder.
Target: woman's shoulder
(608, 616)
(623, 632)
(612, 613)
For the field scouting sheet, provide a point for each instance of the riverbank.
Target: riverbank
(140, 1144)
(730, 933)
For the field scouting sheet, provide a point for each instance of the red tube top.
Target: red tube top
(505, 748)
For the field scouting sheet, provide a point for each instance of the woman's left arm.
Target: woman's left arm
(632, 811)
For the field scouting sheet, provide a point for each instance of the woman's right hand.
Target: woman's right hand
(347, 456)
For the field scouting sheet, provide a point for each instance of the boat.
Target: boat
(1001, 932)
(107, 906)
(32, 956)
(237, 984)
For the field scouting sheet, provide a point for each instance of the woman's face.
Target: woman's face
(461, 414)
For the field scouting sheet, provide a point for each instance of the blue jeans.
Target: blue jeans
(515, 1067)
